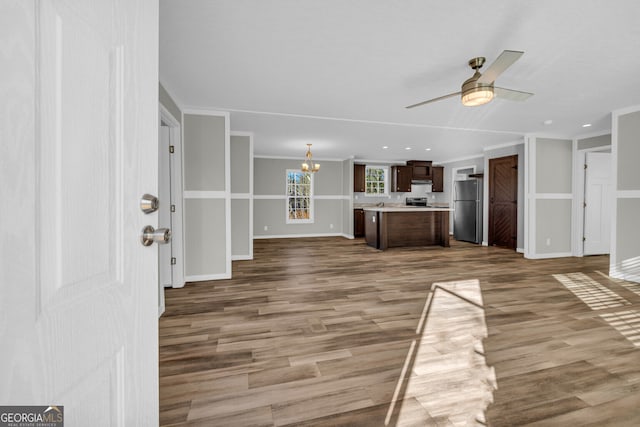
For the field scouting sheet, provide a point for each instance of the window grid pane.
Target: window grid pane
(375, 181)
(299, 195)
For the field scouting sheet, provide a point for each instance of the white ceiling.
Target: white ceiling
(339, 73)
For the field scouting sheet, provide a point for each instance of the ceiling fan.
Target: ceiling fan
(479, 89)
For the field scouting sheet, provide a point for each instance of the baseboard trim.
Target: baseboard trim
(520, 250)
(241, 257)
(295, 236)
(551, 255)
(207, 277)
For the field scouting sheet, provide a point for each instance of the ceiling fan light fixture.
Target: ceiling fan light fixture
(477, 96)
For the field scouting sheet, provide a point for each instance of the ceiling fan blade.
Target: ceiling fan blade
(510, 94)
(440, 98)
(504, 61)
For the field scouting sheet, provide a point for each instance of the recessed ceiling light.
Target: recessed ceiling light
(548, 122)
(586, 125)
(427, 149)
(385, 147)
(408, 148)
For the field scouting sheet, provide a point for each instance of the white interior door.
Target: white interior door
(79, 318)
(598, 199)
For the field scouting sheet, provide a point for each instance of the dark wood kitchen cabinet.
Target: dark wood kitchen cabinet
(358, 223)
(437, 179)
(401, 178)
(358, 178)
(421, 169)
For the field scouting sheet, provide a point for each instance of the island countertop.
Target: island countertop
(406, 209)
(396, 226)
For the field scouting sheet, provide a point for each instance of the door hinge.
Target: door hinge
(171, 149)
(585, 165)
(173, 260)
(584, 239)
(584, 205)
(173, 208)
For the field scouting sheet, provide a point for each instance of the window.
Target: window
(376, 180)
(299, 197)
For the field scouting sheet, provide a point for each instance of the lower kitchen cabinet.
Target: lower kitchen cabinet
(358, 223)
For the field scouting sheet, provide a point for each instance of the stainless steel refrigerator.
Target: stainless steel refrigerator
(467, 214)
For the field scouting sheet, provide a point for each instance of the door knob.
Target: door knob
(150, 235)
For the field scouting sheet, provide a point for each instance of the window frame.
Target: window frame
(385, 170)
(288, 220)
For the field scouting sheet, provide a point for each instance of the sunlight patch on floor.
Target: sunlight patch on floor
(592, 293)
(446, 370)
(630, 286)
(627, 323)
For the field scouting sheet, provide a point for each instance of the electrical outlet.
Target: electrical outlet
(266, 227)
(548, 241)
(331, 226)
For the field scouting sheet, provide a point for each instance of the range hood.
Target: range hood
(421, 181)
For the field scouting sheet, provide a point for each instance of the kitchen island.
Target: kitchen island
(389, 227)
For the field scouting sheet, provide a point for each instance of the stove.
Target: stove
(416, 201)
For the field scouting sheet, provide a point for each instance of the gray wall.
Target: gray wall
(550, 205)
(553, 226)
(594, 141)
(628, 152)
(270, 199)
(204, 237)
(625, 254)
(241, 153)
(241, 237)
(207, 199)
(167, 102)
(553, 165)
(204, 153)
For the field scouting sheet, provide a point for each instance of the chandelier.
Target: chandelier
(308, 165)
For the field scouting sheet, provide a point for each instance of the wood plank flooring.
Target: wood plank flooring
(331, 332)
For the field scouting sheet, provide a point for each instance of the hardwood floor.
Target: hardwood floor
(331, 332)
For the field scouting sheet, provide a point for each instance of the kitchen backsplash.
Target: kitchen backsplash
(416, 191)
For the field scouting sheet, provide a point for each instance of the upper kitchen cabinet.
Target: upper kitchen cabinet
(358, 178)
(437, 179)
(421, 169)
(401, 178)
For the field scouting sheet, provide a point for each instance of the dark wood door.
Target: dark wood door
(358, 178)
(503, 202)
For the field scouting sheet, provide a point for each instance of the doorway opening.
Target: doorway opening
(170, 210)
